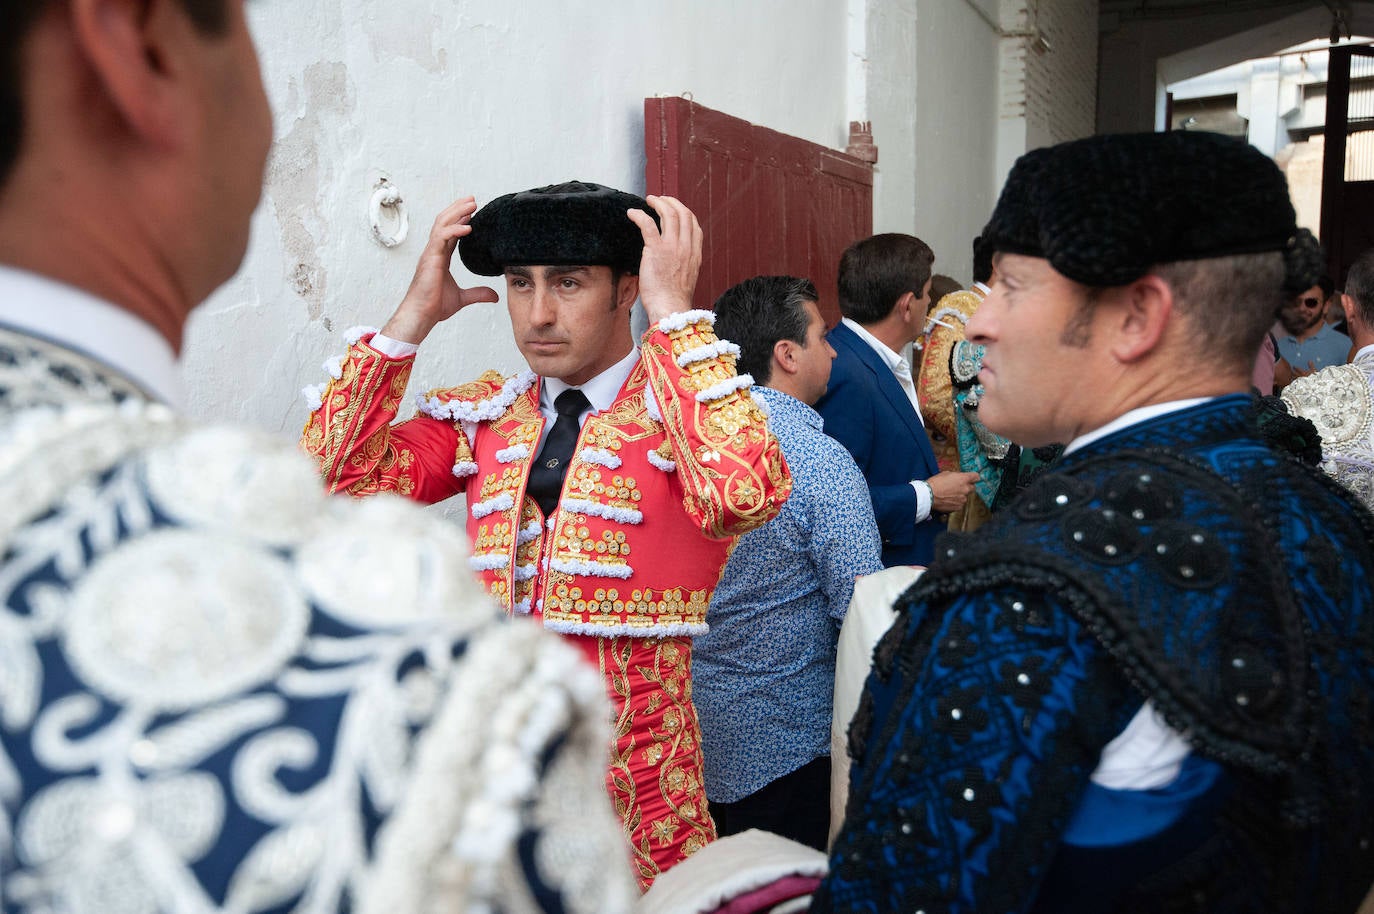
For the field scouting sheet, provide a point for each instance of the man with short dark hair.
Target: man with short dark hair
(1340, 400)
(766, 669)
(605, 484)
(1147, 684)
(205, 705)
(1308, 342)
(871, 406)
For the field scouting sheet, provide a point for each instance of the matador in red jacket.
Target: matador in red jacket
(613, 534)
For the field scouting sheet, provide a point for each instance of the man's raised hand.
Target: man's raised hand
(434, 295)
(672, 257)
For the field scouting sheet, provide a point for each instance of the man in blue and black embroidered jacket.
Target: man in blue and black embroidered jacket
(1146, 685)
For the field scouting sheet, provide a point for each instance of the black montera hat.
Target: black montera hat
(1103, 210)
(572, 224)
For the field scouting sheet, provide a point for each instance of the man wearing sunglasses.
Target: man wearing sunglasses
(1308, 342)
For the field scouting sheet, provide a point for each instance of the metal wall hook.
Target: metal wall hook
(387, 213)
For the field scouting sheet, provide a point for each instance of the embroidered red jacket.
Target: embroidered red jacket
(658, 487)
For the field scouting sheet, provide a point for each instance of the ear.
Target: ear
(1142, 314)
(135, 50)
(905, 305)
(627, 291)
(1349, 307)
(785, 356)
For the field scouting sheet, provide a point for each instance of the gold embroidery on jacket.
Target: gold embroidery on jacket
(673, 749)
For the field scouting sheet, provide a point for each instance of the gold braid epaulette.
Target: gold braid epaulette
(487, 385)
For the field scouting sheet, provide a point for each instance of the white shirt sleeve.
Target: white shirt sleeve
(924, 499)
(393, 349)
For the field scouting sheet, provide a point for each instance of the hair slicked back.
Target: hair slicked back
(757, 313)
(878, 270)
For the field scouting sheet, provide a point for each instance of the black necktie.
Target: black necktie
(546, 476)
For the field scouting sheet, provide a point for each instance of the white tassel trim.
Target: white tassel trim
(353, 334)
(725, 388)
(513, 453)
(600, 456)
(666, 466)
(610, 512)
(651, 405)
(489, 561)
(591, 569)
(946, 312)
(503, 502)
(706, 353)
(482, 410)
(334, 366)
(524, 572)
(682, 319)
(674, 630)
(522, 607)
(314, 395)
(464, 468)
(529, 534)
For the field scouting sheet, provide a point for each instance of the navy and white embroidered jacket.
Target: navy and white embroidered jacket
(209, 703)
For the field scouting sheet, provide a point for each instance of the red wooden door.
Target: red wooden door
(768, 203)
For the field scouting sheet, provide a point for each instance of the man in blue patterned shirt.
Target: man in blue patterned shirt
(764, 674)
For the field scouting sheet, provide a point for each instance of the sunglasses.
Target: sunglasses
(1309, 302)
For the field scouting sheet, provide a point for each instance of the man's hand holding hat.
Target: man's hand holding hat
(434, 295)
(672, 257)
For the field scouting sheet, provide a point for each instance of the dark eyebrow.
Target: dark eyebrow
(555, 272)
(521, 272)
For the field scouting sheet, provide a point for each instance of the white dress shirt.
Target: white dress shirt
(79, 321)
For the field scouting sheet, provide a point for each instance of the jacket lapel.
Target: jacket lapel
(887, 382)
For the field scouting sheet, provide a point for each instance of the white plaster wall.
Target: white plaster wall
(955, 136)
(890, 84)
(445, 98)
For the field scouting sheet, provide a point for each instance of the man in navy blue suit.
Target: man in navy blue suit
(870, 406)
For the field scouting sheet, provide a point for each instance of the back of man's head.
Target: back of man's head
(19, 17)
(757, 313)
(1359, 285)
(877, 271)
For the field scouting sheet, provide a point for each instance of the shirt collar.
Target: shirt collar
(77, 320)
(778, 402)
(1131, 418)
(600, 391)
(982, 289)
(1324, 330)
(1365, 352)
(893, 360)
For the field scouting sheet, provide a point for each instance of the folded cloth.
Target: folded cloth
(764, 900)
(758, 869)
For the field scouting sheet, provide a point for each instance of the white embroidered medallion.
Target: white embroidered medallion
(145, 629)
